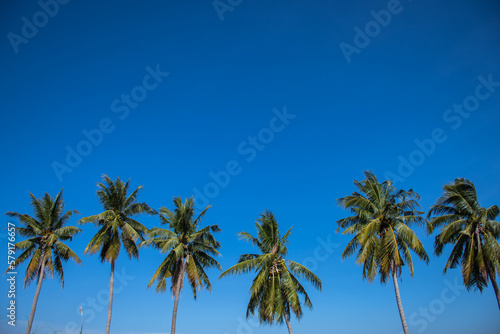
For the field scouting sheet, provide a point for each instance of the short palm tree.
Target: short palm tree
(189, 250)
(116, 227)
(473, 232)
(380, 224)
(44, 249)
(275, 290)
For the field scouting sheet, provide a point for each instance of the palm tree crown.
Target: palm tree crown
(275, 290)
(380, 224)
(45, 232)
(473, 232)
(116, 224)
(183, 242)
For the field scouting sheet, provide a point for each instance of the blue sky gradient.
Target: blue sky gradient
(188, 97)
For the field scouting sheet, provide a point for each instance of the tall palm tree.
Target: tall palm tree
(189, 250)
(116, 226)
(473, 232)
(275, 290)
(44, 248)
(381, 223)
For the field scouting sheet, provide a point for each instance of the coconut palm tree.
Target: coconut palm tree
(380, 222)
(473, 232)
(44, 248)
(189, 250)
(275, 290)
(116, 227)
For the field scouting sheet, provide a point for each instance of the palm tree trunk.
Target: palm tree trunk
(484, 269)
(398, 300)
(37, 293)
(178, 289)
(287, 319)
(110, 303)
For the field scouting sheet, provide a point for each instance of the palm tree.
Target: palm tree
(275, 290)
(116, 227)
(189, 250)
(473, 232)
(44, 247)
(380, 224)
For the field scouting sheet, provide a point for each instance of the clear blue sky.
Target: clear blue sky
(354, 103)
